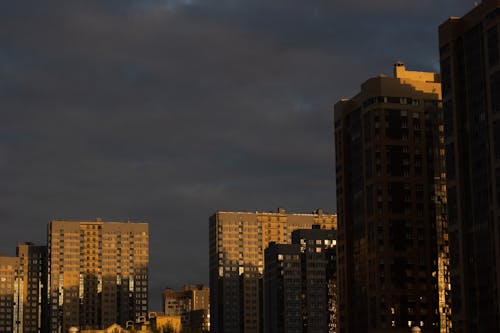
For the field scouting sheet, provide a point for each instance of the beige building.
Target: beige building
(191, 303)
(9, 294)
(237, 244)
(391, 200)
(98, 273)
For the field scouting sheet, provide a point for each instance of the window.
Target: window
(446, 76)
(495, 91)
(493, 54)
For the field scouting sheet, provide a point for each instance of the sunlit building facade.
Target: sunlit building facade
(98, 274)
(392, 235)
(191, 303)
(9, 294)
(237, 243)
(470, 68)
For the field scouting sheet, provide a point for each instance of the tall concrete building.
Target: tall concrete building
(319, 278)
(9, 295)
(31, 306)
(22, 285)
(98, 274)
(237, 243)
(300, 284)
(283, 289)
(470, 67)
(392, 246)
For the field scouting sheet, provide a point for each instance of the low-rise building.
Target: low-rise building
(191, 303)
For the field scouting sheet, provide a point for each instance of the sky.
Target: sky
(165, 111)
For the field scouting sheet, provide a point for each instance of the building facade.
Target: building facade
(31, 306)
(283, 289)
(470, 67)
(177, 303)
(300, 284)
(22, 284)
(392, 245)
(318, 256)
(191, 303)
(237, 241)
(98, 274)
(9, 295)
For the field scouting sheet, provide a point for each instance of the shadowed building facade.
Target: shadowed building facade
(98, 273)
(22, 285)
(283, 289)
(31, 307)
(300, 283)
(319, 278)
(392, 247)
(237, 241)
(470, 67)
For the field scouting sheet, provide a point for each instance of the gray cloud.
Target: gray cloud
(166, 111)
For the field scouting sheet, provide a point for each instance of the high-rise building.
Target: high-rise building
(282, 289)
(392, 247)
(470, 67)
(9, 295)
(22, 285)
(191, 303)
(98, 274)
(237, 244)
(300, 284)
(31, 305)
(319, 278)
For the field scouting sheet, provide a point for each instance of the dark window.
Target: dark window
(367, 127)
(495, 91)
(450, 161)
(492, 37)
(448, 118)
(398, 272)
(395, 100)
(369, 101)
(394, 130)
(397, 195)
(446, 76)
(497, 176)
(496, 137)
(451, 195)
(368, 163)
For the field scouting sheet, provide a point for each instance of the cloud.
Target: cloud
(166, 111)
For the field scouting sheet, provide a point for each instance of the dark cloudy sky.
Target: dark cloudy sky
(167, 110)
